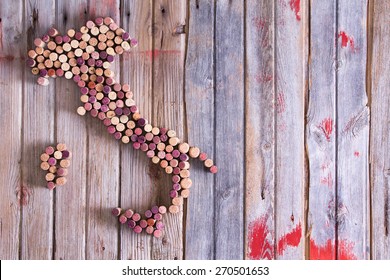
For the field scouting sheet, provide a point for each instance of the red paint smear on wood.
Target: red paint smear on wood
(345, 39)
(259, 245)
(280, 103)
(328, 180)
(325, 252)
(328, 252)
(327, 127)
(295, 5)
(156, 53)
(292, 238)
(263, 78)
(356, 154)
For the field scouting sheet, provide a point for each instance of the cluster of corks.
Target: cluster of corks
(152, 223)
(56, 163)
(85, 56)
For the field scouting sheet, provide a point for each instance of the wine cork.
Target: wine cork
(53, 169)
(149, 229)
(184, 173)
(50, 185)
(65, 163)
(45, 166)
(131, 224)
(143, 224)
(202, 156)
(58, 155)
(44, 157)
(185, 193)
(159, 225)
(151, 222)
(137, 229)
(116, 211)
(213, 169)
(136, 217)
(184, 148)
(208, 163)
(60, 181)
(62, 171)
(49, 177)
(162, 209)
(177, 201)
(52, 161)
(129, 213)
(194, 152)
(154, 209)
(186, 183)
(122, 219)
(174, 209)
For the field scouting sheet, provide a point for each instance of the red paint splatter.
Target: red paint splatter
(259, 240)
(295, 5)
(155, 53)
(345, 40)
(346, 250)
(328, 180)
(262, 27)
(327, 127)
(324, 252)
(356, 154)
(280, 103)
(292, 238)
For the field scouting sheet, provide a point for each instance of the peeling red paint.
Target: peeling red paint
(259, 240)
(346, 250)
(345, 40)
(262, 26)
(263, 78)
(327, 127)
(280, 103)
(328, 180)
(295, 5)
(328, 252)
(324, 252)
(292, 238)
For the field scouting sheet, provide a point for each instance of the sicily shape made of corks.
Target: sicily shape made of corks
(85, 56)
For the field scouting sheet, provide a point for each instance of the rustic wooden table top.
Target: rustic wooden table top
(290, 99)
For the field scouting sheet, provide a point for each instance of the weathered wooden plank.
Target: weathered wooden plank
(137, 189)
(379, 138)
(70, 200)
(259, 130)
(290, 89)
(352, 133)
(168, 109)
(38, 133)
(12, 51)
(320, 131)
(103, 167)
(230, 139)
(199, 102)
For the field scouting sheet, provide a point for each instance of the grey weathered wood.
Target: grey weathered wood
(199, 102)
(230, 136)
(12, 49)
(38, 133)
(290, 89)
(70, 200)
(320, 131)
(137, 189)
(103, 167)
(168, 63)
(379, 138)
(260, 131)
(353, 208)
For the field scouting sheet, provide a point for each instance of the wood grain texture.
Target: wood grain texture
(260, 130)
(353, 213)
(38, 132)
(103, 168)
(290, 90)
(137, 189)
(199, 102)
(320, 133)
(11, 73)
(379, 133)
(168, 101)
(70, 200)
(230, 139)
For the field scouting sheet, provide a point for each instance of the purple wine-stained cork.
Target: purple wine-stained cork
(168, 156)
(137, 229)
(176, 170)
(65, 154)
(164, 137)
(58, 40)
(129, 213)
(141, 139)
(176, 187)
(173, 193)
(152, 146)
(78, 36)
(116, 211)
(175, 153)
(175, 179)
(136, 145)
(122, 219)
(184, 165)
(154, 209)
(159, 225)
(163, 130)
(150, 154)
(149, 230)
(131, 224)
(66, 39)
(52, 32)
(49, 150)
(202, 156)
(143, 224)
(118, 111)
(52, 161)
(62, 171)
(110, 58)
(50, 185)
(156, 139)
(141, 122)
(125, 36)
(117, 135)
(111, 129)
(138, 131)
(45, 38)
(157, 233)
(184, 157)
(157, 217)
(148, 214)
(43, 72)
(31, 62)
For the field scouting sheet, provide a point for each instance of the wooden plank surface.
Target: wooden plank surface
(103, 179)
(230, 139)
(199, 104)
(12, 73)
(290, 89)
(38, 133)
(168, 108)
(353, 133)
(320, 133)
(137, 189)
(379, 133)
(70, 200)
(260, 130)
